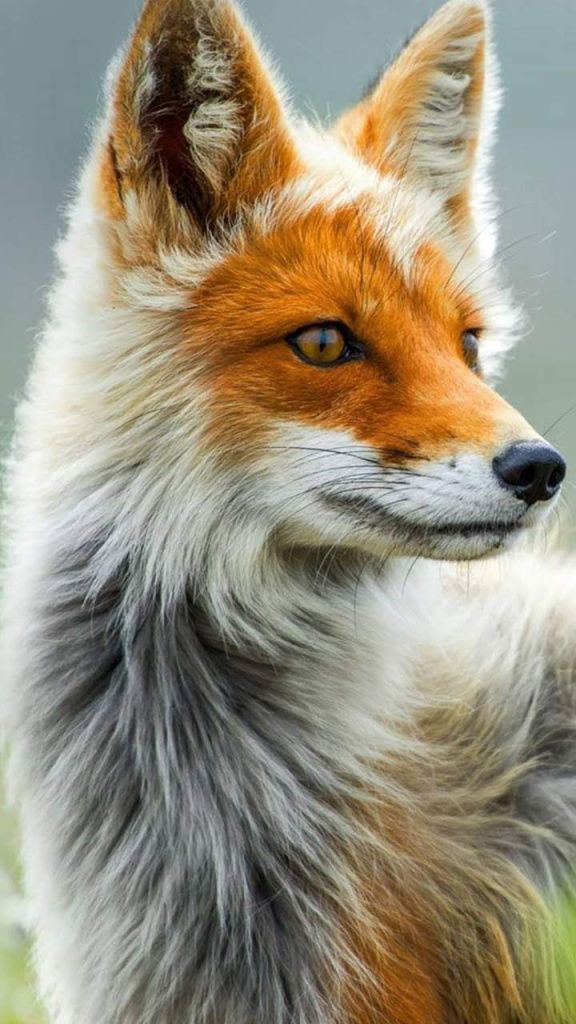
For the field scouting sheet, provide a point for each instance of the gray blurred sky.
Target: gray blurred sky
(53, 55)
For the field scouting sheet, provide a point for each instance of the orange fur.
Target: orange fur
(415, 386)
(400, 981)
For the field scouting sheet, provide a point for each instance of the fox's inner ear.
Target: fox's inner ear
(431, 115)
(195, 121)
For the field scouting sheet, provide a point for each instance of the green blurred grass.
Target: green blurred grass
(560, 964)
(18, 1004)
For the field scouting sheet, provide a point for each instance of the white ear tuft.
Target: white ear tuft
(432, 114)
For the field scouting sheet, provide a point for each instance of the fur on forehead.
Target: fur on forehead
(384, 218)
(234, 163)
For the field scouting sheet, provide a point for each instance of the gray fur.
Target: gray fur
(176, 797)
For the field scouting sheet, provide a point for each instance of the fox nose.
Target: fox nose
(533, 470)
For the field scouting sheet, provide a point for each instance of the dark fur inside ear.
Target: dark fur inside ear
(157, 93)
(163, 118)
(194, 110)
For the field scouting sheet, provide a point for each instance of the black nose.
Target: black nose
(532, 469)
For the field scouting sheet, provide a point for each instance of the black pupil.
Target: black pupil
(325, 338)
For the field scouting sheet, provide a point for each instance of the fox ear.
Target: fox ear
(431, 115)
(195, 122)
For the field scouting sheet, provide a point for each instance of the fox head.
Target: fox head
(296, 328)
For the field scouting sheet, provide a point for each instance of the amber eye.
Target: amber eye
(325, 344)
(470, 348)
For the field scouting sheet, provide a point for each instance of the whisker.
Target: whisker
(559, 420)
(406, 578)
(361, 571)
(488, 264)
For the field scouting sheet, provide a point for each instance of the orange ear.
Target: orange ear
(194, 118)
(430, 116)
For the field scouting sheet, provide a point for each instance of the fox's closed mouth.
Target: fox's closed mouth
(374, 515)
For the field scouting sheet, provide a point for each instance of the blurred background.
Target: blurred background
(52, 58)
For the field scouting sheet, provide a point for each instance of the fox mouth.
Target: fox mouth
(373, 515)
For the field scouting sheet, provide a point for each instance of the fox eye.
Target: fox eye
(325, 344)
(470, 348)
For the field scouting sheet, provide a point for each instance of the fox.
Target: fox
(288, 672)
